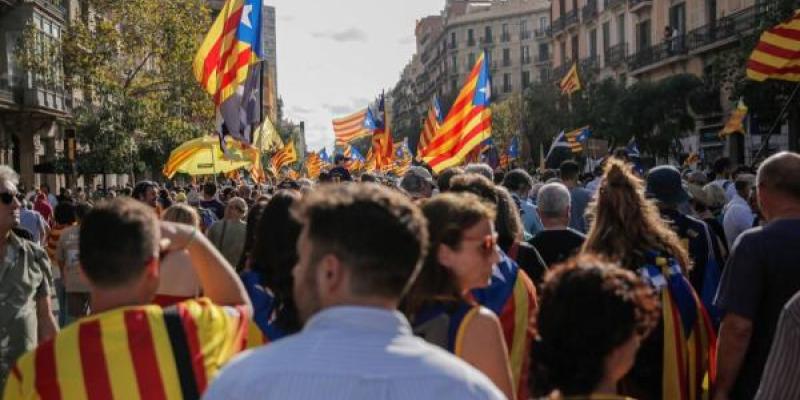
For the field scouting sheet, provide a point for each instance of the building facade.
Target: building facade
(513, 33)
(34, 106)
(650, 40)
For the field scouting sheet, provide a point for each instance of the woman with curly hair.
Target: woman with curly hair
(592, 318)
(461, 253)
(627, 229)
(269, 279)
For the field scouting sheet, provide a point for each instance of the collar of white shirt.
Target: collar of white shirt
(360, 318)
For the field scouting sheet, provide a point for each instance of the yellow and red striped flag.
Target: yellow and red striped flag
(382, 142)
(286, 156)
(777, 54)
(313, 165)
(571, 82)
(232, 45)
(429, 127)
(736, 121)
(468, 123)
(402, 158)
(350, 128)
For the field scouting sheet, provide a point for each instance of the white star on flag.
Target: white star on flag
(248, 9)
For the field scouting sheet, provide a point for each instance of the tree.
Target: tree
(132, 61)
(506, 120)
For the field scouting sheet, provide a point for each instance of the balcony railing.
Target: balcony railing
(487, 40)
(505, 37)
(55, 7)
(615, 55)
(590, 63)
(452, 45)
(737, 24)
(638, 4)
(614, 3)
(506, 62)
(651, 55)
(589, 11)
(471, 42)
(542, 59)
(540, 33)
(561, 70)
(557, 25)
(44, 98)
(525, 60)
(570, 18)
(525, 35)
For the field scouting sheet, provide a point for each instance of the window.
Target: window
(470, 37)
(488, 34)
(523, 29)
(606, 36)
(452, 40)
(525, 54)
(544, 75)
(677, 17)
(506, 57)
(563, 48)
(574, 43)
(543, 23)
(506, 83)
(593, 43)
(454, 63)
(453, 85)
(471, 60)
(526, 78)
(643, 35)
(505, 35)
(544, 52)
(621, 29)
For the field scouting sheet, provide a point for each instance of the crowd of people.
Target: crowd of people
(474, 284)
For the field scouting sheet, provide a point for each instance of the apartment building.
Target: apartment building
(650, 40)
(513, 33)
(33, 106)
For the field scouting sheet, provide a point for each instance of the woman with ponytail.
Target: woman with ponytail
(675, 362)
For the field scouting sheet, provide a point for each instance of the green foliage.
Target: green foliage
(132, 62)
(658, 113)
(506, 120)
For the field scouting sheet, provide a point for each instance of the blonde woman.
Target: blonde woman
(178, 280)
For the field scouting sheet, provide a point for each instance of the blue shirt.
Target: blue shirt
(530, 218)
(350, 352)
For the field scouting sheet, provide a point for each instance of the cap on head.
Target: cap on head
(414, 180)
(665, 185)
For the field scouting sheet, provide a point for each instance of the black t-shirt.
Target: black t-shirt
(761, 275)
(558, 245)
(529, 259)
(214, 205)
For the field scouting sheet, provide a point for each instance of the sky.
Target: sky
(336, 56)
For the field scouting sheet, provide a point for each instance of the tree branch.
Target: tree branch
(136, 71)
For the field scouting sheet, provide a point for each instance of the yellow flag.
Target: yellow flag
(266, 137)
(736, 121)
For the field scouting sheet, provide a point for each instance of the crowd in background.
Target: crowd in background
(477, 283)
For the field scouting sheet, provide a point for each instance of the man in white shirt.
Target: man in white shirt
(737, 215)
(723, 170)
(347, 285)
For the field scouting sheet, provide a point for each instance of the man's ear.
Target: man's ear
(331, 275)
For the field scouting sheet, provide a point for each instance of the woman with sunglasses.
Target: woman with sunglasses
(461, 254)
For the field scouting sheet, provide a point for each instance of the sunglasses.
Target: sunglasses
(7, 198)
(488, 243)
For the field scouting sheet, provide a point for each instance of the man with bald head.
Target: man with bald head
(761, 275)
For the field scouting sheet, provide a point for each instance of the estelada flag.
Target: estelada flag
(777, 54)
(284, 157)
(736, 121)
(571, 82)
(468, 123)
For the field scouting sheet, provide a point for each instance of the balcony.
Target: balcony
(615, 55)
(542, 59)
(660, 52)
(726, 28)
(557, 25)
(505, 37)
(589, 11)
(524, 35)
(53, 7)
(525, 60)
(487, 40)
(506, 62)
(471, 42)
(452, 46)
(6, 95)
(561, 70)
(591, 63)
(46, 99)
(636, 5)
(541, 33)
(611, 4)
(571, 18)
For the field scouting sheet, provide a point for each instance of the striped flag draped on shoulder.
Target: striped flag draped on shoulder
(468, 123)
(350, 128)
(144, 352)
(777, 54)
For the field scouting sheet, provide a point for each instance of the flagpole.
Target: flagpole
(765, 141)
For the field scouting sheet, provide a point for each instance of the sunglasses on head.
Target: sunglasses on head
(7, 198)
